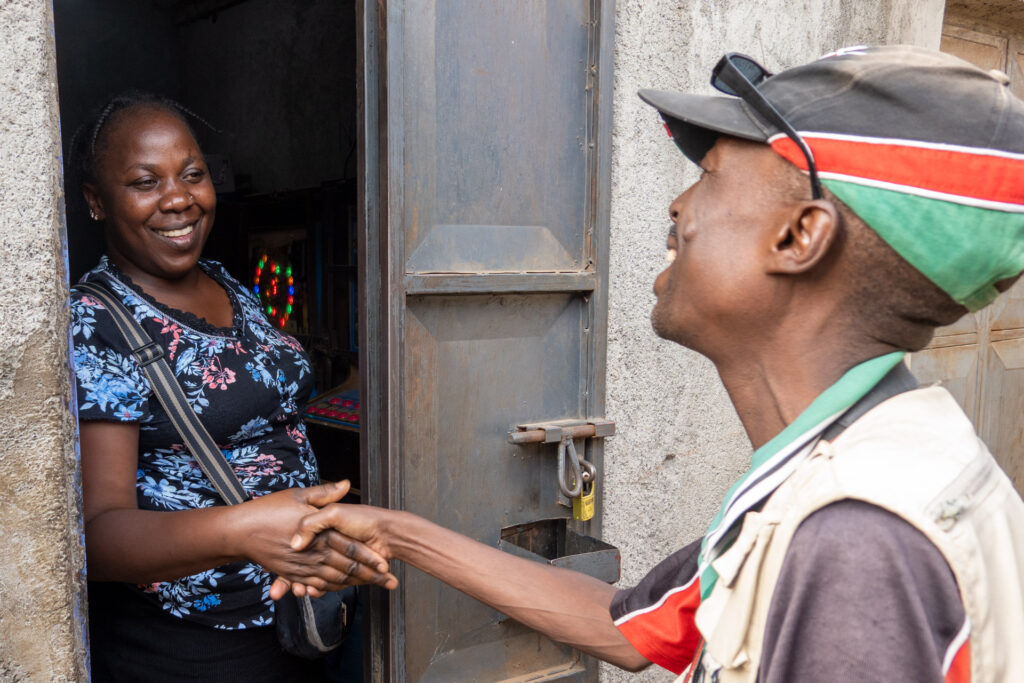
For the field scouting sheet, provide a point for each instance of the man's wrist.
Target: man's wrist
(394, 527)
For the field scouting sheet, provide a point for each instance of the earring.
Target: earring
(92, 214)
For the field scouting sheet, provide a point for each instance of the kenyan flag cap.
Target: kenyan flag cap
(926, 148)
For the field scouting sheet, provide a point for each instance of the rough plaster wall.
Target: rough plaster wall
(41, 581)
(679, 444)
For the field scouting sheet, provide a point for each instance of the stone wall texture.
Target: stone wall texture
(679, 445)
(41, 563)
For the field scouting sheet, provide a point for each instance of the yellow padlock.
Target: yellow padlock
(583, 504)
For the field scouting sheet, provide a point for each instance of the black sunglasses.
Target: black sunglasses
(739, 75)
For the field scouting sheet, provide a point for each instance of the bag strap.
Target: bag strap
(168, 391)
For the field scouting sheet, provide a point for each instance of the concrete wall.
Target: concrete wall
(41, 582)
(679, 444)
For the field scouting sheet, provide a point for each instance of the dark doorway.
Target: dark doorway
(273, 88)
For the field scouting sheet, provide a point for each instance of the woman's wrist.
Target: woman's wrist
(233, 526)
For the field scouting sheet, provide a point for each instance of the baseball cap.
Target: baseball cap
(925, 148)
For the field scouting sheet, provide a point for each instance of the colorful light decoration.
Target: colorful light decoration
(269, 285)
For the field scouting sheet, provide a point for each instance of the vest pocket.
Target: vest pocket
(725, 617)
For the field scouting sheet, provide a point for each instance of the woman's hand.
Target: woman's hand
(329, 562)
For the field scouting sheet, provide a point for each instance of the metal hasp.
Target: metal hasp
(576, 475)
(552, 432)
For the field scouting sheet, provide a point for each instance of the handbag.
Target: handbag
(307, 627)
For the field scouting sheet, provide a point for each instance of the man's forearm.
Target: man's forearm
(567, 606)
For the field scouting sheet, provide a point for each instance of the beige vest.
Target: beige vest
(917, 456)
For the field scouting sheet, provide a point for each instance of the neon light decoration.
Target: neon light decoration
(276, 289)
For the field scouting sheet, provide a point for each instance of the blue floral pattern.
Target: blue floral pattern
(247, 383)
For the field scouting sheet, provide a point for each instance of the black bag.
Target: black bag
(307, 627)
(312, 627)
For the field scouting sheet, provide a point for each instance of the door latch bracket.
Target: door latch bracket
(556, 431)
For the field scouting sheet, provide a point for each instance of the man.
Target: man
(846, 209)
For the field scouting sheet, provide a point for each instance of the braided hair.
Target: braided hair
(89, 142)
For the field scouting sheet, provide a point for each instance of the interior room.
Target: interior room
(273, 92)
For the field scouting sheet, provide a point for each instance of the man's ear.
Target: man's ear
(92, 199)
(803, 241)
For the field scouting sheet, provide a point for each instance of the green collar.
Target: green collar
(773, 462)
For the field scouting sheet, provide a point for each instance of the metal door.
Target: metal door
(486, 146)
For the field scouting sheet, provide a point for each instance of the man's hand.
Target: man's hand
(361, 522)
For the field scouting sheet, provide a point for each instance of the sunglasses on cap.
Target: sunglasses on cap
(739, 75)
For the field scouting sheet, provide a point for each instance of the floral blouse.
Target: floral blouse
(247, 383)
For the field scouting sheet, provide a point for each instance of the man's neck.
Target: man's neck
(771, 387)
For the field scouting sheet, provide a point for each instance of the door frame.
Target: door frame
(381, 277)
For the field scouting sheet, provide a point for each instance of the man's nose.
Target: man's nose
(676, 208)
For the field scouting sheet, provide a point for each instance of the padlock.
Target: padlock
(583, 504)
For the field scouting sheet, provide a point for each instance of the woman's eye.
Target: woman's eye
(144, 183)
(195, 176)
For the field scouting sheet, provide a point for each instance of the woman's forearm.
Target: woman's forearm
(145, 546)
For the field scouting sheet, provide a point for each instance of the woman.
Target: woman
(185, 592)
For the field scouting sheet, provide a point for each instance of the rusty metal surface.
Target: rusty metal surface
(555, 542)
(553, 432)
(489, 157)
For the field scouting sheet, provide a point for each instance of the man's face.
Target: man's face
(716, 292)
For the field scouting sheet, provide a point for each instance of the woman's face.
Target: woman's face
(154, 194)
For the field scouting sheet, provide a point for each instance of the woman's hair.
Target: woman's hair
(90, 140)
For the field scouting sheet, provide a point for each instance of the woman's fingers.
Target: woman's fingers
(280, 587)
(354, 550)
(333, 561)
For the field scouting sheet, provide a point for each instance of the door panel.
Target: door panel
(494, 136)
(496, 130)
(1001, 425)
(956, 367)
(1008, 310)
(982, 49)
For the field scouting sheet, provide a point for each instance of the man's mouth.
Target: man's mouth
(177, 232)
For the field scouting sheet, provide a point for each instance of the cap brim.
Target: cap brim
(700, 119)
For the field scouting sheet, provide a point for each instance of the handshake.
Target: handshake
(334, 545)
(324, 545)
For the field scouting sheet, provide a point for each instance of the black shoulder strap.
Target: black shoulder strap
(896, 381)
(168, 391)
